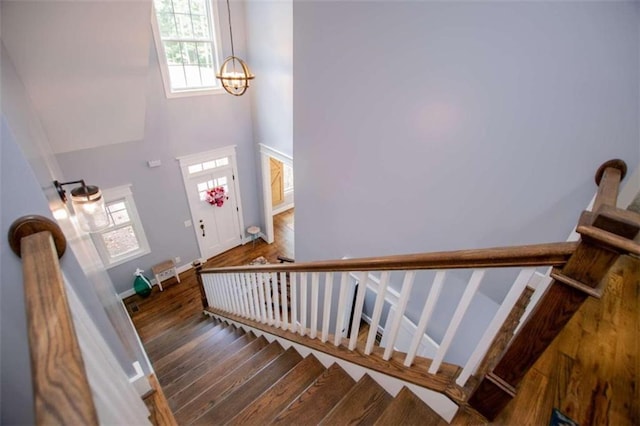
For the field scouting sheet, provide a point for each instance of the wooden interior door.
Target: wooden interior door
(277, 182)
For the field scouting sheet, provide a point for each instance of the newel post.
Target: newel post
(606, 233)
(203, 296)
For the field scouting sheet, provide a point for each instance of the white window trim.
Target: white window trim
(162, 57)
(110, 195)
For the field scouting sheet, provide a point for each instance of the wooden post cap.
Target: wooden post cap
(32, 224)
(616, 164)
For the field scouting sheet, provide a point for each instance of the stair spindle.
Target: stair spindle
(315, 278)
(326, 316)
(377, 311)
(357, 313)
(342, 302)
(407, 285)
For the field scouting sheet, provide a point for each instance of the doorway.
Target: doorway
(277, 186)
(217, 222)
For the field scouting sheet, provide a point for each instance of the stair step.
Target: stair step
(362, 405)
(181, 365)
(227, 383)
(407, 408)
(226, 409)
(177, 336)
(160, 363)
(318, 400)
(200, 377)
(265, 408)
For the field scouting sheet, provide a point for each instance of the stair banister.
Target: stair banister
(579, 269)
(62, 394)
(606, 233)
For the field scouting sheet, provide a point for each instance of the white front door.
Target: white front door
(217, 227)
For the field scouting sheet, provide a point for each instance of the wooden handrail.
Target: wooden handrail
(61, 390)
(553, 254)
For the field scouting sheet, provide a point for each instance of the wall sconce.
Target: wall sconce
(88, 205)
(234, 73)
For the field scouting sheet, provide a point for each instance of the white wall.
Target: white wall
(270, 56)
(424, 126)
(173, 127)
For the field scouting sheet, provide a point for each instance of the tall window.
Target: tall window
(124, 239)
(185, 34)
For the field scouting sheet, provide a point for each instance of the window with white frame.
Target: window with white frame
(124, 239)
(288, 178)
(185, 32)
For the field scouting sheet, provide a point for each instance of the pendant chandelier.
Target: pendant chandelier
(234, 73)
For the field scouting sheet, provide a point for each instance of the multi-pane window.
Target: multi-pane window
(207, 165)
(124, 239)
(187, 50)
(203, 187)
(288, 178)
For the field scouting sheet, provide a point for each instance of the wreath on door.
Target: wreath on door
(217, 196)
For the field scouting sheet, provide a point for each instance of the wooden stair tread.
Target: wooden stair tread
(176, 337)
(226, 409)
(180, 365)
(187, 346)
(407, 409)
(226, 384)
(200, 377)
(318, 400)
(265, 408)
(362, 405)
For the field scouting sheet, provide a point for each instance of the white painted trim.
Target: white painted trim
(282, 209)
(442, 405)
(278, 155)
(267, 152)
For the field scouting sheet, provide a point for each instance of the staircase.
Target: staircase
(214, 373)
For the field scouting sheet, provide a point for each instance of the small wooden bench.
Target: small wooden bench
(164, 270)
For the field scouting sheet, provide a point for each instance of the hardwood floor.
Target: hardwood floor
(180, 303)
(590, 372)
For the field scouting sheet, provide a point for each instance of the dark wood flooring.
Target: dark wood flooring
(590, 373)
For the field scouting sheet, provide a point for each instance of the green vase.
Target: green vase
(142, 286)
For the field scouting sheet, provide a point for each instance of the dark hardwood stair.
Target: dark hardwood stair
(219, 374)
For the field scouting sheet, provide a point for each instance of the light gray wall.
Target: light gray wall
(270, 56)
(28, 171)
(16, 404)
(173, 127)
(425, 126)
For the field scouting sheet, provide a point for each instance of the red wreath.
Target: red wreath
(216, 196)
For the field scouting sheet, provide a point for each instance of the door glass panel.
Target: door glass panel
(195, 168)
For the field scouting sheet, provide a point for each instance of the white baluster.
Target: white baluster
(276, 301)
(215, 285)
(245, 295)
(269, 299)
(465, 301)
(427, 311)
(407, 285)
(263, 310)
(357, 313)
(242, 295)
(294, 302)
(326, 316)
(256, 299)
(342, 306)
(246, 288)
(226, 292)
(315, 277)
(283, 292)
(496, 323)
(206, 283)
(377, 311)
(232, 300)
(303, 303)
(237, 295)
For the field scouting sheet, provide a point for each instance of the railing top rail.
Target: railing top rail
(61, 390)
(552, 254)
